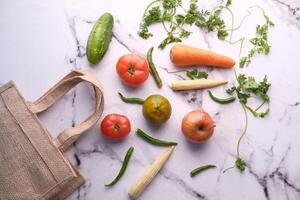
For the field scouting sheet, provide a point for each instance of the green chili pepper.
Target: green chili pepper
(131, 100)
(219, 100)
(153, 68)
(200, 169)
(123, 168)
(153, 140)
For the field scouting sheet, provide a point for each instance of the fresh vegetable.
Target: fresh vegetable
(201, 169)
(197, 126)
(219, 100)
(132, 69)
(153, 140)
(157, 109)
(175, 23)
(260, 41)
(196, 84)
(183, 55)
(153, 68)
(195, 74)
(138, 187)
(115, 126)
(123, 168)
(131, 99)
(99, 38)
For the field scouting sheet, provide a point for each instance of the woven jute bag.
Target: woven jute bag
(32, 162)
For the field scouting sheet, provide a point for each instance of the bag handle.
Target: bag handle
(70, 135)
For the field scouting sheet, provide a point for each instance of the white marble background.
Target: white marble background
(42, 40)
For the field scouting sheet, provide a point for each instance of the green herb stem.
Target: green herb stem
(196, 171)
(263, 103)
(164, 25)
(131, 99)
(221, 100)
(153, 140)
(229, 168)
(244, 131)
(241, 41)
(123, 168)
(260, 8)
(153, 68)
(241, 23)
(240, 163)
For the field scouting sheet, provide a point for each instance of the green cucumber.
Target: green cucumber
(99, 38)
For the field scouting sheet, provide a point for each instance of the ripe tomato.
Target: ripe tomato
(133, 69)
(115, 126)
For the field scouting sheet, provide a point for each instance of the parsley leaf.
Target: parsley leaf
(231, 90)
(260, 42)
(154, 15)
(169, 39)
(165, 12)
(248, 86)
(192, 14)
(240, 164)
(184, 33)
(213, 23)
(195, 74)
(229, 2)
(169, 4)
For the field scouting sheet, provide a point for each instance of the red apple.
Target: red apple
(197, 126)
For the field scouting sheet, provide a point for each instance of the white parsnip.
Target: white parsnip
(138, 187)
(196, 84)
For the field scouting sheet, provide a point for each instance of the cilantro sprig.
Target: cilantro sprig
(165, 12)
(248, 87)
(195, 74)
(260, 41)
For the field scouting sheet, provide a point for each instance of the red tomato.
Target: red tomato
(115, 126)
(133, 69)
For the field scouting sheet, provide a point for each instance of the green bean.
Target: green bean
(153, 68)
(219, 100)
(153, 140)
(123, 168)
(131, 99)
(200, 169)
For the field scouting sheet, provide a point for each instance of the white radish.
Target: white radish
(138, 187)
(196, 84)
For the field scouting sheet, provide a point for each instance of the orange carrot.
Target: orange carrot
(183, 55)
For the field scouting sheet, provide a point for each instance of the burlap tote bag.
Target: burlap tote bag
(32, 162)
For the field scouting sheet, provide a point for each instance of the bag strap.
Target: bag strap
(70, 135)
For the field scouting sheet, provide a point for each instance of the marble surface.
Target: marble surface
(42, 40)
